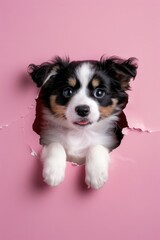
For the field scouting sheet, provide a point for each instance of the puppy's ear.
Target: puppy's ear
(40, 73)
(122, 70)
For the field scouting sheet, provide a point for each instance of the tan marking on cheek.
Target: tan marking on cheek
(72, 82)
(58, 110)
(107, 111)
(95, 83)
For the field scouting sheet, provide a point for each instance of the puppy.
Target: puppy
(81, 105)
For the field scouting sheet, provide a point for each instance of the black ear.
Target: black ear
(122, 70)
(39, 73)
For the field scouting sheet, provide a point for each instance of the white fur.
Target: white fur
(88, 145)
(77, 140)
(84, 73)
(80, 144)
(54, 159)
(97, 161)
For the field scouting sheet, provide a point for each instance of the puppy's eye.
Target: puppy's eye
(99, 93)
(67, 92)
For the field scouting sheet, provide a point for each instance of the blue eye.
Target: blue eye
(99, 93)
(67, 92)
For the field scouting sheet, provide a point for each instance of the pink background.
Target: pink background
(128, 206)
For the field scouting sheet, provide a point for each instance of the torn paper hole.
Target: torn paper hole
(22, 116)
(95, 110)
(32, 152)
(126, 130)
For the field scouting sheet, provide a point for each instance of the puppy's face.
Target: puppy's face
(84, 92)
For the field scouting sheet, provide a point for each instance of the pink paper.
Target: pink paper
(128, 206)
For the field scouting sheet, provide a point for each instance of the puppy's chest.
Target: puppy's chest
(77, 143)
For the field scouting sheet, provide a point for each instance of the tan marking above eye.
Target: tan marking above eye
(57, 110)
(107, 111)
(72, 82)
(95, 82)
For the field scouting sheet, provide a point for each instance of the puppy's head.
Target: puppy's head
(84, 92)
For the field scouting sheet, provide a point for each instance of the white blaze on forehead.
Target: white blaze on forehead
(84, 73)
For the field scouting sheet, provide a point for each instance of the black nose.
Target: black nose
(82, 110)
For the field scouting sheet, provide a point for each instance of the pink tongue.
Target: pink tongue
(82, 123)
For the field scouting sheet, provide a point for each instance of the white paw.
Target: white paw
(96, 168)
(54, 160)
(53, 175)
(96, 179)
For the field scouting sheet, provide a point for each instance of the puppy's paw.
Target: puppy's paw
(97, 161)
(54, 160)
(53, 175)
(96, 178)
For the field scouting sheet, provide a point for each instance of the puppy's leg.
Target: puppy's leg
(96, 167)
(54, 163)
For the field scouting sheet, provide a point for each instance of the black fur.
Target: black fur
(40, 72)
(120, 70)
(114, 74)
(117, 68)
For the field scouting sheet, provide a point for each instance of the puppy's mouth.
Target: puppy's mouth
(82, 122)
